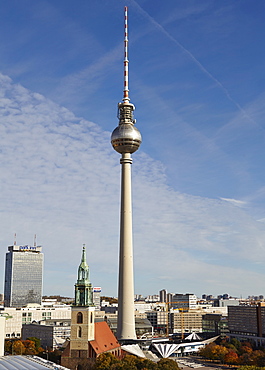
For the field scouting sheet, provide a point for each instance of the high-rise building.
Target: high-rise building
(184, 301)
(96, 298)
(126, 139)
(23, 275)
(163, 295)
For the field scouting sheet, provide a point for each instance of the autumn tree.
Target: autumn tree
(167, 364)
(231, 357)
(207, 352)
(37, 343)
(219, 352)
(18, 348)
(105, 360)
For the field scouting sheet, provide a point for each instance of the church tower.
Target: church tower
(82, 316)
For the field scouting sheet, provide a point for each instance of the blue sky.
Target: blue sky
(197, 81)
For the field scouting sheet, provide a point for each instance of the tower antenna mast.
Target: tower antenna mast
(126, 60)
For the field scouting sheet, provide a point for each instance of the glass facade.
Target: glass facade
(23, 276)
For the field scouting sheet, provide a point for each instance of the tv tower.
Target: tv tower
(126, 139)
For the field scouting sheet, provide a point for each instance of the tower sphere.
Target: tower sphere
(126, 138)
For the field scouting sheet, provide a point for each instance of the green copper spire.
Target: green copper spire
(83, 270)
(83, 287)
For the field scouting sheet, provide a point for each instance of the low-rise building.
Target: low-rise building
(16, 317)
(214, 324)
(52, 333)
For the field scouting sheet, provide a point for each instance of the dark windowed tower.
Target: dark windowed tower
(82, 316)
(23, 275)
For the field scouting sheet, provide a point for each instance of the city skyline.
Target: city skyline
(198, 182)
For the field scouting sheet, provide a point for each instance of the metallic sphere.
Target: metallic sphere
(126, 138)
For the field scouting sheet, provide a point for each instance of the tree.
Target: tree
(8, 346)
(167, 364)
(235, 342)
(29, 347)
(246, 349)
(231, 358)
(219, 352)
(105, 360)
(214, 352)
(145, 364)
(36, 341)
(18, 348)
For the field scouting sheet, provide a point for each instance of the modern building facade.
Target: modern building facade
(247, 322)
(184, 301)
(23, 275)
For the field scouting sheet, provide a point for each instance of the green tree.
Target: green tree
(145, 364)
(235, 342)
(129, 362)
(167, 364)
(36, 341)
(105, 361)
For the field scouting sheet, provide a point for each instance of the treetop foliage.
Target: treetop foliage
(235, 353)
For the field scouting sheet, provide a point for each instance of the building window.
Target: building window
(79, 318)
(79, 332)
(91, 317)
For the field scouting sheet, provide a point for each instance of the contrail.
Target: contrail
(186, 51)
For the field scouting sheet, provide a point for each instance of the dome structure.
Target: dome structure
(126, 138)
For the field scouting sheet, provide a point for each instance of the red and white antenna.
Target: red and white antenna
(126, 60)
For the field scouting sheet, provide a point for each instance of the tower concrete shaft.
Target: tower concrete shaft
(126, 320)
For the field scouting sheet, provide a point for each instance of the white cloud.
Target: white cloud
(60, 179)
(235, 202)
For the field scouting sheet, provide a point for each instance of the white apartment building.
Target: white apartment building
(16, 317)
(2, 335)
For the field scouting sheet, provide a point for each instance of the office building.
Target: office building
(247, 323)
(23, 275)
(163, 295)
(96, 298)
(215, 324)
(184, 301)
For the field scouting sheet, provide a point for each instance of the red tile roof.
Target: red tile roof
(104, 339)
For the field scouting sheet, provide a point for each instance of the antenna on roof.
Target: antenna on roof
(126, 60)
(35, 237)
(15, 239)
